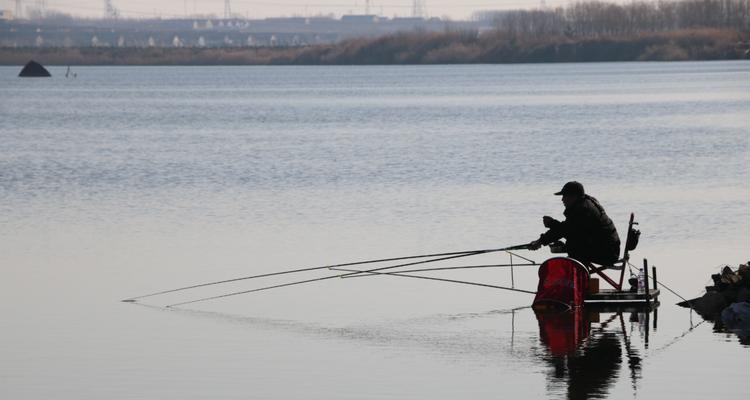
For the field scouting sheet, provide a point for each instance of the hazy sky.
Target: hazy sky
(265, 8)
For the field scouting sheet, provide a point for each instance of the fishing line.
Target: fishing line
(675, 293)
(437, 279)
(459, 255)
(451, 268)
(308, 269)
(522, 257)
(665, 287)
(676, 339)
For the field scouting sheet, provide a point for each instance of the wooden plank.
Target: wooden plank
(619, 306)
(614, 295)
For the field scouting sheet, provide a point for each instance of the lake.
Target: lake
(131, 180)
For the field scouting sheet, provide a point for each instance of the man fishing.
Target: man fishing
(590, 234)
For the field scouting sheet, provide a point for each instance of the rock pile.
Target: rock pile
(729, 287)
(727, 302)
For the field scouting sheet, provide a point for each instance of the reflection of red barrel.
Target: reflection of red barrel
(562, 281)
(562, 331)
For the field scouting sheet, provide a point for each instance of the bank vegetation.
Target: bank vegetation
(583, 31)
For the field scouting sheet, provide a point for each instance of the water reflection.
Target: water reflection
(735, 319)
(585, 348)
(585, 352)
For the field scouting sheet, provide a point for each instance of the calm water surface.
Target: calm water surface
(131, 180)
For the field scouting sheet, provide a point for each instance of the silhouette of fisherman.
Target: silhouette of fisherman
(590, 234)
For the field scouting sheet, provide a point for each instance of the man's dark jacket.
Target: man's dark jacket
(590, 234)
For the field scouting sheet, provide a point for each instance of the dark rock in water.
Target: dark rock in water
(743, 294)
(736, 318)
(729, 287)
(709, 305)
(727, 302)
(34, 70)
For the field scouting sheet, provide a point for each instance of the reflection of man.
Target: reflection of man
(586, 362)
(590, 234)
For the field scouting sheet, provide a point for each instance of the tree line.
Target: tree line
(419, 48)
(595, 18)
(665, 30)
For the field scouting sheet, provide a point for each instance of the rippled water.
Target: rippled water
(131, 180)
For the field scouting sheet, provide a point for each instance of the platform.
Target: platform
(614, 297)
(626, 307)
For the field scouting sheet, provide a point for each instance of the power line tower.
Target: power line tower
(19, 9)
(418, 9)
(227, 10)
(41, 7)
(110, 11)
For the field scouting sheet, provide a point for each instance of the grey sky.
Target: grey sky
(265, 8)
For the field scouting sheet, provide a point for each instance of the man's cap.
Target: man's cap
(573, 187)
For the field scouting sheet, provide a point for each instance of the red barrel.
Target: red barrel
(562, 281)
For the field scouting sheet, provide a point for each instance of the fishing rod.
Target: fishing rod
(448, 257)
(435, 279)
(308, 269)
(476, 252)
(363, 275)
(324, 278)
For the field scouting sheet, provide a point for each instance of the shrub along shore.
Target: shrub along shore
(421, 48)
(592, 30)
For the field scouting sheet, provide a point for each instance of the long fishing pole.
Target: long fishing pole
(476, 252)
(312, 280)
(431, 278)
(455, 255)
(363, 275)
(132, 299)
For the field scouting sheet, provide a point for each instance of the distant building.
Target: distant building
(6, 15)
(205, 32)
(289, 20)
(409, 20)
(359, 19)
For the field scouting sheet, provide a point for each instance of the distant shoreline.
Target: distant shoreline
(418, 48)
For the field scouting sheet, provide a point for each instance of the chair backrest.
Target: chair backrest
(633, 236)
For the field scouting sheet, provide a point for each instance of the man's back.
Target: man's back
(591, 235)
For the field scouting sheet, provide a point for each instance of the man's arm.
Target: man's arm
(557, 230)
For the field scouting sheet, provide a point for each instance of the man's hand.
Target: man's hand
(549, 222)
(535, 245)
